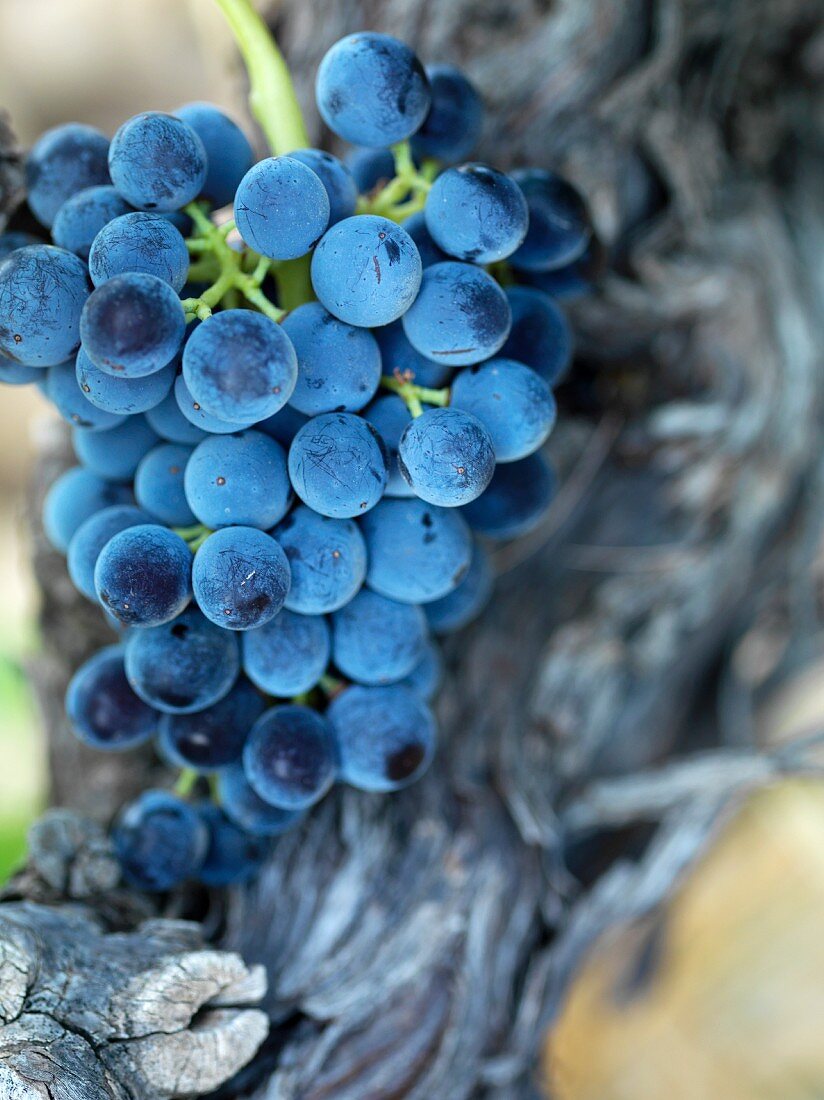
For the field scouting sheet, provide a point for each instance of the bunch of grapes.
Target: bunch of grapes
(296, 421)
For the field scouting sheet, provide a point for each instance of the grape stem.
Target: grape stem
(415, 397)
(391, 200)
(186, 782)
(194, 537)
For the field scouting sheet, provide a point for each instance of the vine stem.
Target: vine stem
(414, 396)
(272, 97)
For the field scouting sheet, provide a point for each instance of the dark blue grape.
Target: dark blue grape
(229, 156)
(14, 239)
(64, 393)
(160, 841)
(389, 416)
(513, 403)
(16, 374)
(116, 453)
(140, 242)
(233, 855)
(400, 358)
(337, 465)
(132, 325)
(42, 293)
(214, 737)
(452, 128)
(288, 655)
(415, 226)
(63, 161)
(81, 217)
(185, 665)
(371, 89)
(122, 396)
(90, 538)
(240, 578)
(461, 315)
(158, 484)
(476, 213)
(425, 678)
(157, 162)
(143, 575)
(574, 280)
(197, 417)
(447, 457)
(516, 500)
(102, 709)
(73, 498)
(241, 805)
(281, 208)
(238, 480)
(376, 640)
(327, 559)
(559, 226)
(467, 601)
(366, 270)
(169, 422)
(385, 736)
(339, 366)
(340, 185)
(416, 552)
(283, 426)
(240, 366)
(540, 336)
(289, 758)
(371, 167)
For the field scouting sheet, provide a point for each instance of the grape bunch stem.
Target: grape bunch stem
(415, 397)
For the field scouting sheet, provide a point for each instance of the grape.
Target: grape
(143, 575)
(337, 465)
(416, 552)
(288, 655)
(327, 559)
(559, 227)
(15, 239)
(214, 737)
(232, 856)
(42, 293)
(16, 374)
(160, 841)
(73, 498)
(81, 217)
(158, 484)
(476, 213)
(132, 325)
(238, 480)
(103, 710)
(185, 665)
(63, 161)
(169, 422)
(339, 366)
(425, 678)
(289, 758)
(452, 128)
(114, 454)
(241, 805)
(366, 271)
(389, 416)
(196, 416)
(540, 335)
(72, 404)
(566, 284)
(336, 178)
(513, 403)
(283, 426)
(516, 500)
(385, 736)
(415, 226)
(122, 396)
(90, 538)
(400, 358)
(157, 162)
(447, 457)
(467, 601)
(240, 578)
(240, 366)
(371, 90)
(461, 315)
(376, 640)
(281, 208)
(370, 167)
(139, 242)
(229, 156)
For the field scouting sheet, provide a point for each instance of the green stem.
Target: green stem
(414, 396)
(186, 782)
(294, 283)
(272, 98)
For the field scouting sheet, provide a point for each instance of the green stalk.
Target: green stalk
(272, 98)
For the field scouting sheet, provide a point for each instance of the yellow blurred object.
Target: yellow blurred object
(719, 995)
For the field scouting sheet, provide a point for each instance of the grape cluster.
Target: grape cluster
(296, 425)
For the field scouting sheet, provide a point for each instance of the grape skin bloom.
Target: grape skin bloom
(288, 655)
(123, 396)
(157, 162)
(281, 208)
(240, 578)
(447, 457)
(140, 242)
(160, 841)
(43, 290)
(338, 465)
(81, 218)
(238, 480)
(327, 559)
(229, 156)
(289, 758)
(476, 213)
(214, 737)
(103, 710)
(376, 640)
(143, 575)
(63, 161)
